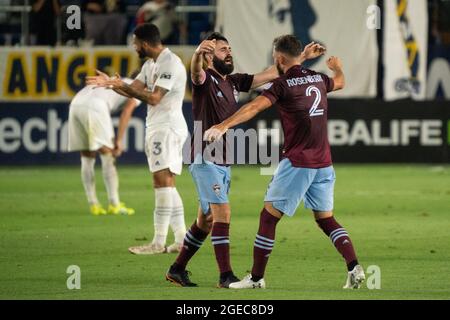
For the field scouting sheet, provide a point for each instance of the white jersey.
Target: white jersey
(167, 72)
(111, 99)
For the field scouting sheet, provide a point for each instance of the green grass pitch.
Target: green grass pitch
(398, 217)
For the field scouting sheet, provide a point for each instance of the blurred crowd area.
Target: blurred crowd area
(103, 22)
(439, 21)
(111, 22)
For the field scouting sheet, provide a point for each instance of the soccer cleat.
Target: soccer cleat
(148, 249)
(174, 248)
(97, 210)
(179, 278)
(355, 278)
(120, 209)
(248, 283)
(225, 283)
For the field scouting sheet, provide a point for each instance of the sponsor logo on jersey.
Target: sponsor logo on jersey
(166, 75)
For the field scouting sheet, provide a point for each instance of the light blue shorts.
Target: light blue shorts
(291, 185)
(212, 182)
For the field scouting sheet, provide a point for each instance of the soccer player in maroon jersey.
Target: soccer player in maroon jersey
(306, 172)
(215, 98)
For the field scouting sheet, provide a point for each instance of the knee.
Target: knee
(157, 184)
(274, 212)
(205, 223)
(163, 179)
(105, 151)
(221, 213)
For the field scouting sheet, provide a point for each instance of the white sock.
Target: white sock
(161, 215)
(88, 179)
(177, 218)
(110, 178)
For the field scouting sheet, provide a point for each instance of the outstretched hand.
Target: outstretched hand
(103, 80)
(313, 50)
(98, 80)
(334, 63)
(214, 133)
(207, 46)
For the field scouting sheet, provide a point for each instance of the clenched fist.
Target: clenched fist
(207, 46)
(334, 63)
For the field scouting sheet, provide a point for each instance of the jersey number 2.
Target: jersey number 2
(314, 112)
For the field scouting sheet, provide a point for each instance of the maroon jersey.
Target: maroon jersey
(300, 96)
(214, 101)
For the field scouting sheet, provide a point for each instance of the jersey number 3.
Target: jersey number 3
(314, 112)
(157, 148)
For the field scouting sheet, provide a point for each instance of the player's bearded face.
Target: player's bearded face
(225, 66)
(141, 52)
(139, 47)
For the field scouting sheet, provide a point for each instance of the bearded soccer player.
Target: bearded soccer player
(215, 98)
(161, 84)
(306, 172)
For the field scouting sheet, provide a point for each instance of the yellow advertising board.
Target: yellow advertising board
(57, 74)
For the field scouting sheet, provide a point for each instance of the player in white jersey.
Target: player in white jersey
(90, 132)
(161, 84)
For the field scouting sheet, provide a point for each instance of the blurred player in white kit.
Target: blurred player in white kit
(91, 132)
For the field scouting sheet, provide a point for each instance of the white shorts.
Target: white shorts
(164, 150)
(90, 126)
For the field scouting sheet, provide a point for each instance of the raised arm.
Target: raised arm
(247, 112)
(135, 90)
(101, 78)
(264, 77)
(198, 75)
(311, 51)
(151, 98)
(335, 65)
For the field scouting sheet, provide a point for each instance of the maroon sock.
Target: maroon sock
(220, 237)
(340, 239)
(193, 240)
(265, 239)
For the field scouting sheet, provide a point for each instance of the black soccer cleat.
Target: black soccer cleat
(179, 278)
(225, 283)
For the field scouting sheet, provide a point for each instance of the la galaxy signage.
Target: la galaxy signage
(57, 74)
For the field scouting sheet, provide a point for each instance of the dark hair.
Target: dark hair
(148, 32)
(288, 44)
(216, 36)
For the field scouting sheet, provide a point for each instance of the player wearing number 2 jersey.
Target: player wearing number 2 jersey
(306, 172)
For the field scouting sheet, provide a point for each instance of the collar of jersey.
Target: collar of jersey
(162, 54)
(217, 76)
(293, 68)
